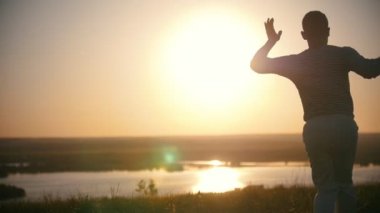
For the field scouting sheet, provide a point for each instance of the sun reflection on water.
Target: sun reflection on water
(216, 163)
(218, 179)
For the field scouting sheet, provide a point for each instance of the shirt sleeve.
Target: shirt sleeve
(367, 68)
(284, 65)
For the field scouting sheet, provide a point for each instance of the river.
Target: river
(210, 176)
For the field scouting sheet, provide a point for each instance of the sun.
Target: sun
(207, 59)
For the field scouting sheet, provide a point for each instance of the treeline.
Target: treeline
(100, 154)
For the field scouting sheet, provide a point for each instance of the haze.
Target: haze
(131, 68)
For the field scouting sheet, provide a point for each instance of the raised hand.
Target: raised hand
(271, 33)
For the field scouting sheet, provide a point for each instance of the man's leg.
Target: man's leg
(324, 200)
(346, 199)
(317, 139)
(344, 158)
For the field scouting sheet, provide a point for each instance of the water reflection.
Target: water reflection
(215, 163)
(193, 178)
(217, 179)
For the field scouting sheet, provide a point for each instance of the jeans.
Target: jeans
(330, 142)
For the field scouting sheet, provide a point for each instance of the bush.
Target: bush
(9, 192)
(147, 189)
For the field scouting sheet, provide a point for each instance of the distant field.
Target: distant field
(94, 154)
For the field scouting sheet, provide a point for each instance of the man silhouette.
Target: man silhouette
(330, 133)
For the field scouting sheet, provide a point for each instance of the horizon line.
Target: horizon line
(161, 136)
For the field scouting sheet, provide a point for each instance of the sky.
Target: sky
(98, 68)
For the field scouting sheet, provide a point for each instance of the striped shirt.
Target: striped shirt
(321, 77)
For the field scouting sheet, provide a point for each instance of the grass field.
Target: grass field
(250, 199)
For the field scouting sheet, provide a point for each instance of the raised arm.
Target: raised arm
(367, 68)
(260, 60)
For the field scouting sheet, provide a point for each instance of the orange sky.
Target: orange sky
(127, 68)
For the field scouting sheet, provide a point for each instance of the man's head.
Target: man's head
(315, 27)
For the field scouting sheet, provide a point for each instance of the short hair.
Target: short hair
(314, 23)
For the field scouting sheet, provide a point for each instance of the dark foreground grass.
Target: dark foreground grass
(249, 199)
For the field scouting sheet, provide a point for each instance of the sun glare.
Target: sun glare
(216, 163)
(207, 58)
(218, 179)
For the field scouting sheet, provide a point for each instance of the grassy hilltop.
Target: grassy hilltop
(250, 199)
